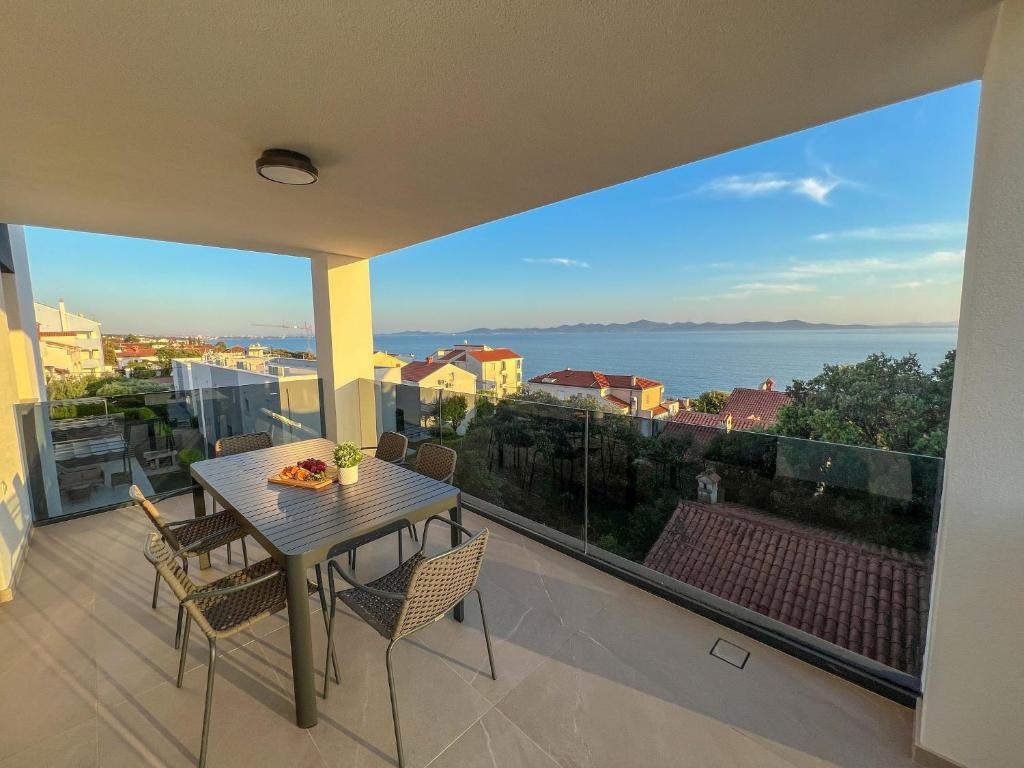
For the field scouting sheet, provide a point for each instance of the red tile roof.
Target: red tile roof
(237, 348)
(698, 418)
(135, 350)
(659, 410)
(418, 370)
(620, 404)
(594, 379)
(760, 405)
(870, 600)
(490, 355)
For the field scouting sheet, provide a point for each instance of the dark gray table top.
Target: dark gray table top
(306, 524)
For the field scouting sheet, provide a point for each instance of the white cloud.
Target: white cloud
(928, 231)
(746, 290)
(751, 185)
(912, 284)
(815, 188)
(560, 262)
(868, 266)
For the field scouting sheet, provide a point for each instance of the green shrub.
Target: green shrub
(188, 456)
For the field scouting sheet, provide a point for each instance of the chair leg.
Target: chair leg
(229, 553)
(245, 553)
(487, 635)
(413, 533)
(352, 559)
(394, 704)
(177, 628)
(184, 649)
(210, 674)
(400, 556)
(327, 627)
(156, 589)
(330, 646)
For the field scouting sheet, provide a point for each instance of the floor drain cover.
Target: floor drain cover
(729, 653)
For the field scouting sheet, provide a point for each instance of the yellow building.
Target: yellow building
(385, 360)
(498, 370)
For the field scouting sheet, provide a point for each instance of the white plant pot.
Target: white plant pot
(348, 475)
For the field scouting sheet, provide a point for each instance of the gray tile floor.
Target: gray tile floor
(591, 672)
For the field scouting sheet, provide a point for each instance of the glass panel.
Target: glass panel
(833, 540)
(83, 455)
(527, 458)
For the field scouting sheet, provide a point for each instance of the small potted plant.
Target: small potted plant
(346, 458)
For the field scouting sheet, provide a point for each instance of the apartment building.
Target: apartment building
(70, 344)
(499, 370)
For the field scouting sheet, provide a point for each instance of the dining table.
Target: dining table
(298, 527)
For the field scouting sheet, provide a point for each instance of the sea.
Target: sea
(687, 362)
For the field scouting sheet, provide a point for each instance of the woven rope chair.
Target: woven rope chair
(235, 444)
(436, 461)
(190, 538)
(413, 596)
(392, 447)
(220, 609)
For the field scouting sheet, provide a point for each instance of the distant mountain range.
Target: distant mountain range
(651, 325)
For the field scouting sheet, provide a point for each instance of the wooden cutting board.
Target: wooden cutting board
(314, 485)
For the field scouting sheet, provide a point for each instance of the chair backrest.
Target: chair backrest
(440, 582)
(436, 461)
(155, 517)
(254, 441)
(160, 555)
(392, 447)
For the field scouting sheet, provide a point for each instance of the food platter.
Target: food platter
(298, 476)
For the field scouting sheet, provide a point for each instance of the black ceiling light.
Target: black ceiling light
(286, 167)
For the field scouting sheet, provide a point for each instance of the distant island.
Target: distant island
(652, 325)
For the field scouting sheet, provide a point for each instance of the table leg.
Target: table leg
(302, 646)
(456, 515)
(199, 510)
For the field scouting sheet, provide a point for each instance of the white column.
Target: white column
(974, 676)
(344, 346)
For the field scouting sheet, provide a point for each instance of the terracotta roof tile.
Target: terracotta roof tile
(594, 379)
(758, 406)
(490, 355)
(621, 404)
(418, 370)
(870, 600)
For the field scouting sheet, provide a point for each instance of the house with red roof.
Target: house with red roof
(870, 600)
(624, 393)
(423, 381)
(496, 369)
(744, 409)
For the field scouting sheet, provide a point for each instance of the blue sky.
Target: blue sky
(861, 220)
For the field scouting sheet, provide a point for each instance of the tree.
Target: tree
(67, 388)
(882, 402)
(711, 401)
(109, 351)
(131, 338)
(453, 410)
(171, 352)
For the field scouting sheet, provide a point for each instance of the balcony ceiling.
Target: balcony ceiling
(145, 119)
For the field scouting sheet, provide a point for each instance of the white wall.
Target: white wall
(973, 707)
(20, 382)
